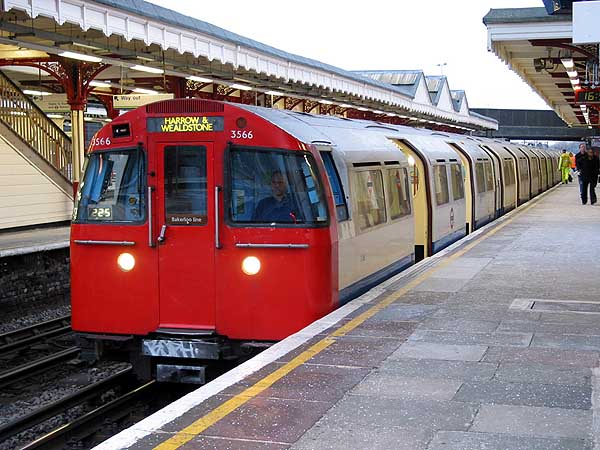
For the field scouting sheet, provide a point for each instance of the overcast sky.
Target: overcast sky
(382, 34)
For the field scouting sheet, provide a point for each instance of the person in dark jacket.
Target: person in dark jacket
(578, 157)
(589, 168)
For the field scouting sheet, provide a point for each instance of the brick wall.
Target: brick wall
(26, 279)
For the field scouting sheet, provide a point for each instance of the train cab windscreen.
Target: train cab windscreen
(275, 187)
(113, 188)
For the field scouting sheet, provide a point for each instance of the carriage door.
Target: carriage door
(185, 235)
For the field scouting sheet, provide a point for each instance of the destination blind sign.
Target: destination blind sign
(185, 124)
(588, 97)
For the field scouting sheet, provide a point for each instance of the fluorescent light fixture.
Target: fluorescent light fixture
(199, 79)
(391, 114)
(31, 92)
(572, 73)
(346, 105)
(590, 127)
(326, 102)
(567, 63)
(583, 107)
(88, 46)
(574, 81)
(145, 91)
(145, 58)
(54, 116)
(99, 84)
(404, 117)
(147, 69)
(361, 108)
(423, 120)
(81, 57)
(378, 112)
(241, 87)
(276, 93)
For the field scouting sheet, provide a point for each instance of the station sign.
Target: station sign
(56, 103)
(132, 101)
(587, 97)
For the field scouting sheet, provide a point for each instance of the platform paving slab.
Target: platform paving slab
(436, 368)
(543, 374)
(525, 394)
(390, 385)
(427, 350)
(547, 356)
(463, 338)
(534, 421)
(458, 440)
(324, 437)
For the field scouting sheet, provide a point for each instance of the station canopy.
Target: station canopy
(147, 47)
(539, 47)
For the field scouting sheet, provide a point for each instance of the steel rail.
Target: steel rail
(32, 368)
(53, 409)
(22, 337)
(91, 422)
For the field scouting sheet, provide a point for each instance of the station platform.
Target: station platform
(33, 240)
(492, 344)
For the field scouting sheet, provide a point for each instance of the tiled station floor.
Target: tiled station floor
(493, 345)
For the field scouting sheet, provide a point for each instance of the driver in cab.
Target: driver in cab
(280, 206)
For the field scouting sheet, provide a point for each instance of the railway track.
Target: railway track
(98, 424)
(34, 334)
(91, 393)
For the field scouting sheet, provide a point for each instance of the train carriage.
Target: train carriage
(204, 230)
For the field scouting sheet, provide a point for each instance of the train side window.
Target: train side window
(275, 188)
(341, 209)
(399, 191)
(489, 176)
(523, 169)
(480, 177)
(185, 185)
(370, 201)
(440, 176)
(509, 172)
(458, 187)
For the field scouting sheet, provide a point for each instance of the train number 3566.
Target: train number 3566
(239, 134)
(100, 141)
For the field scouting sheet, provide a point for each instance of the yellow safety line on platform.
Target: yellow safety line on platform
(191, 431)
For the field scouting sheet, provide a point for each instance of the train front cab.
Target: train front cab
(193, 212)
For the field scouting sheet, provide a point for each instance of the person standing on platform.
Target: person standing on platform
(564, 165)
(589, 168)
(573, 164)
(578, 156)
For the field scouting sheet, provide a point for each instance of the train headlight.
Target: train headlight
(126, 262)
(251, 265)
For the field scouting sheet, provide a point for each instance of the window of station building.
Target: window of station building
(275, 188)
(440, 179)
(185, 185)
(370, 201)
(399, 192)
(341, 209)
(458, 186)
(489, 176)
(480, 177)
(509, 172)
